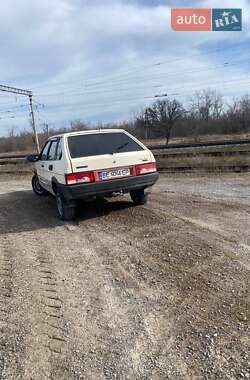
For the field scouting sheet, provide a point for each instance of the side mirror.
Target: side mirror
(32, 158)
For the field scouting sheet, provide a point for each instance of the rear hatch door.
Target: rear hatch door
(101, 151)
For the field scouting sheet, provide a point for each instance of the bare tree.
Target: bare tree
(207, 104)
(164, 114)
(218, 106)
(238, 114)
(46, 130)
(245, 112)
(78, 125)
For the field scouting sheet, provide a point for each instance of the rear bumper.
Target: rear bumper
(87, 190)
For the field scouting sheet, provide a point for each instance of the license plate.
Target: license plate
(114, 173)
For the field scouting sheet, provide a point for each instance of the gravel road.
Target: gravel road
(154, 292)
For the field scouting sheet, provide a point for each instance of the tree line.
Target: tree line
(207, 113)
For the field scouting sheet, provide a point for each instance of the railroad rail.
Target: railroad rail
(224, 168)
(17, 156)
(203, 154)
(201, 145)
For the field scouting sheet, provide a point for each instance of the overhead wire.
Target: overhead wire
(142, 80)
(140, 67)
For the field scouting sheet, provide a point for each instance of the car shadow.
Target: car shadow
(22, 211)
(99, 208)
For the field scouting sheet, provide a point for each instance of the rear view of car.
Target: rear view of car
(101, 164)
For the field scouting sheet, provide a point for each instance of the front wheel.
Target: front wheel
(139, 197)
(65, 211)
(37, 188)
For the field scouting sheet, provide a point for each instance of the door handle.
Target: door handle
(50, 167)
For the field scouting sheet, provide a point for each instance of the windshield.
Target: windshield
(101, 143)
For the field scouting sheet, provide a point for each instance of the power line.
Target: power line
(124, 89)
(141, 67)
(171, 92)
(139, 80)
(140, 98)
(108, 102)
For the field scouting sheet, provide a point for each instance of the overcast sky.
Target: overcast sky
(103, 60)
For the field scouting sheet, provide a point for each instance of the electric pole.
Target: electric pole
(19, 91)
(34, 125)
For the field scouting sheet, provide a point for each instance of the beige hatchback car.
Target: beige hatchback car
(93, 164)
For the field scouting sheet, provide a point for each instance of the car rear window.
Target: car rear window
(101, 143)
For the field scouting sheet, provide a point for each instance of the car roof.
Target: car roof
(88, 132)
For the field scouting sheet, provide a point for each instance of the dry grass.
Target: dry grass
(15, 166)
(201, 162)
(205, 138)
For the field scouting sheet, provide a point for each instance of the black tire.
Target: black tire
(65, 211)
(37, 188)
(139, 197)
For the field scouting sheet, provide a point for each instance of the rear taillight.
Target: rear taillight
(83, 177)
(145, 168)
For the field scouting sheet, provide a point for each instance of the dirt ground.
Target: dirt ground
(153, 292)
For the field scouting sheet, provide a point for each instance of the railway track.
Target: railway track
(193, 168)
(201, 145)
(7, 159)
(162, 152)
(203, 154)
(4, 160)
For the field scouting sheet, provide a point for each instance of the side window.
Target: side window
(52, 151)
(59, 150)
(44, 152)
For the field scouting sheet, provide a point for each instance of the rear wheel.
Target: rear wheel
(65, 211)
(139, 197)
(37, 188)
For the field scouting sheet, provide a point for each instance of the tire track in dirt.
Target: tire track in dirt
(102, 315)
(12, 329)
(47, 343)
(36, 312)
(6, 272)
(88, 295)
(52, 304)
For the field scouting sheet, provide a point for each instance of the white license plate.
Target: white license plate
(114, 173)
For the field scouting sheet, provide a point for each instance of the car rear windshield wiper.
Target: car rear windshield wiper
(120, 147)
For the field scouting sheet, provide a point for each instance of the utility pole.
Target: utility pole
(34, 125)
(19, 91)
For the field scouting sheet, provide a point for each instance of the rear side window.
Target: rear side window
(59, 150)
(101, 143)
(44, 152)
(52, 151)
